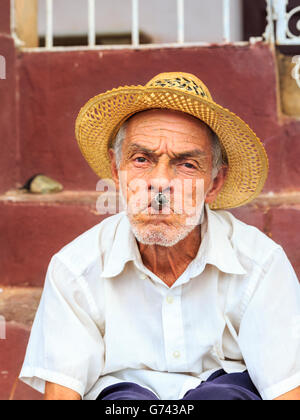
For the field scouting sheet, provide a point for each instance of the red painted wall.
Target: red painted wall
(50, 88)
(32, 233)
(5, 17)
(40, 101)
(53, 87)
(8, 126)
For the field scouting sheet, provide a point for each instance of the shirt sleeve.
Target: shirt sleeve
(65, 345)
(269, 335)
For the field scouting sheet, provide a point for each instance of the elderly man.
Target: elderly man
(172, 298)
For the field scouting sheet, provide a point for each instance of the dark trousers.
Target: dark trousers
(219, 386)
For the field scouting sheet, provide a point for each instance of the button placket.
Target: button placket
(173, 331)
(170, 300)
(176, 354)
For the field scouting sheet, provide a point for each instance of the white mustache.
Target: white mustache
(176, 198)
(160, 202)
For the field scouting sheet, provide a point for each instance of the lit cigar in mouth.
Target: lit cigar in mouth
(159, 201)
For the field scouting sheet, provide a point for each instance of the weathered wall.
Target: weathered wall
(8, 126)
(53, 87)
(290, 92)
(5, 17)
(32, 232)
(49, 88)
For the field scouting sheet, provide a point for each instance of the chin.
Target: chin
(153, 233)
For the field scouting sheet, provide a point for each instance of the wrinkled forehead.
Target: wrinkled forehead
(158, 121)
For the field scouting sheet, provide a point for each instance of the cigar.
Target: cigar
(159, 201)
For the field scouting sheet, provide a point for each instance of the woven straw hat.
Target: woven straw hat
(100, 119)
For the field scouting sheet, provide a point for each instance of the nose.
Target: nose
(160, 178)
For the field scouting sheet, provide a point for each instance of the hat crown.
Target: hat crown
(181, 81)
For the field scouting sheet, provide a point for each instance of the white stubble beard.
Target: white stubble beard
(157, 234)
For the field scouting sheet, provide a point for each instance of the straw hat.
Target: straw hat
(100, 119)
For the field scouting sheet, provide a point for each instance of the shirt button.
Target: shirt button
(170, 299)
(176, 354)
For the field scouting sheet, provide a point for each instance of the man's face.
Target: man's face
(168, 152)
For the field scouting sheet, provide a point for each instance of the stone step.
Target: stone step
(19, 304)
(278, 216)
(13, 349)
(34, 227)
(17, 310)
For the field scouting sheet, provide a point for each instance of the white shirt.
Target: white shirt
(105, 318)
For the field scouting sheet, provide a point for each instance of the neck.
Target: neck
(168, 263)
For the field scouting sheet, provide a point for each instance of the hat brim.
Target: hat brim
(102, 116)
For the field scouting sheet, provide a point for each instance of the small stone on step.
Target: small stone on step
(42, 184)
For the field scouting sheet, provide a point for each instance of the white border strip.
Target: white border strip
(132, 47)
(12, 17)
(135, 33)
(13, 29)
(180, 21)
(226, 21)
(92, 23)
(49, 24)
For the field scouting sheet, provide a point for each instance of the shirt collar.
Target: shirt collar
(215, 248)
(124, 249)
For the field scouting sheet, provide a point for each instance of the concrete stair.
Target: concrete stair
(34, 227)
(17, 306)
(12, 355)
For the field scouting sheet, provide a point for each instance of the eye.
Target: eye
(140, 159)
(189, 165)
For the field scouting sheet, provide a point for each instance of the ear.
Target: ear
(217, 185)
(114, 168)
